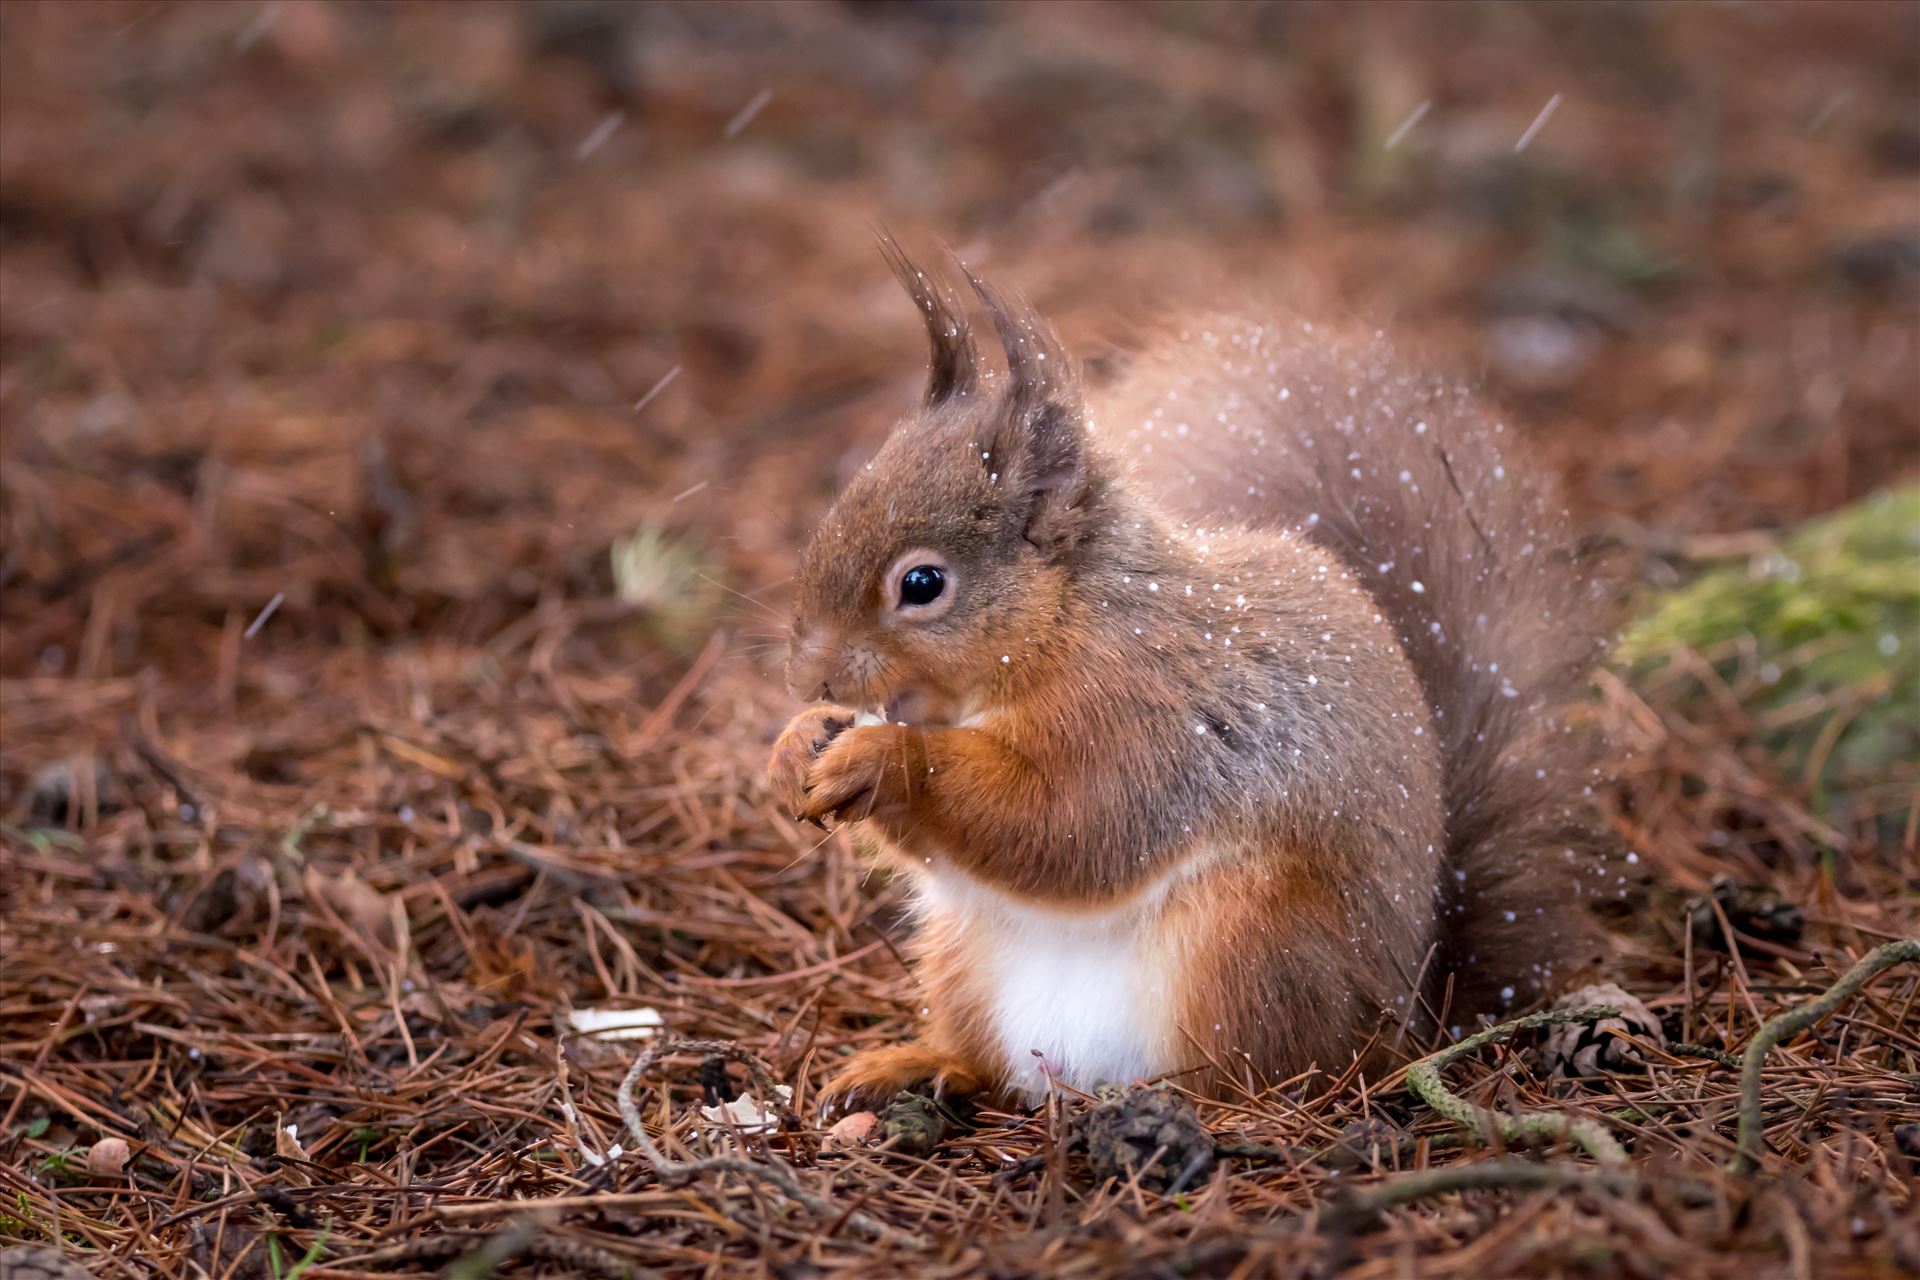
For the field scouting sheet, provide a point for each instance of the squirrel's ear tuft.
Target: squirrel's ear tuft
(951, 340)
(1040, 448)
(1039, 367)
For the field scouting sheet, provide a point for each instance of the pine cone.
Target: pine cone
(1751, 909)
(1576, 1049)
(1152, 1133)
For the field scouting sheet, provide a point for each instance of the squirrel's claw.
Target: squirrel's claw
(839, 803)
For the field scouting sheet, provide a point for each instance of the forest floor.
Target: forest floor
(341, 345)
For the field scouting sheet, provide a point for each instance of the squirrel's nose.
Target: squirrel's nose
(809, 664)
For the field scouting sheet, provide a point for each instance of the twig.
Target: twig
(1423, 1077)
(1352, 1212)
(1358, 1209)
(1687, 1049)
(1074, 1138)
(679, 1172)
(1798, 1018)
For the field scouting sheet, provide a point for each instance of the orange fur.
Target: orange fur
(1267, 990)
(873, 1076)
(951, 1056)
(804, 738)
(1178, 718)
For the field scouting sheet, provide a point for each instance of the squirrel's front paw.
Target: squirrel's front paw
(799, 745)
(861, 774)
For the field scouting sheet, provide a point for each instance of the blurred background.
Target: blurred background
(411, 317)
(412, 412)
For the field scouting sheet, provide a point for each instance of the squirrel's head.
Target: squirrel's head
(946, 561)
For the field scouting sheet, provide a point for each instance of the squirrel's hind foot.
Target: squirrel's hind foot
(870, 1078)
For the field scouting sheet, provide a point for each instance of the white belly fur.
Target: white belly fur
(1082, 997)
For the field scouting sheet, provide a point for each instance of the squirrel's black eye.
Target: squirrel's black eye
(922, 584)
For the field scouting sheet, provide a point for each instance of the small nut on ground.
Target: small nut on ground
(108, 1157)
(853, 1130)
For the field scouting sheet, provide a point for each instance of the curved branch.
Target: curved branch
(1798, 1018)
(1357, 1209)
(1423, 1077)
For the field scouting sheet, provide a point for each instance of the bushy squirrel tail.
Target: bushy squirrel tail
(1466, 548)
(1469, 553)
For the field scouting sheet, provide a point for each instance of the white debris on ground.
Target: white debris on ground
(747, 1114)
(616, 1024)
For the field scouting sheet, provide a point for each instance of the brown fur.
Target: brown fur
(1280, 631)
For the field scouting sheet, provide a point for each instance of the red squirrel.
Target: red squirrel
(1210, 717)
